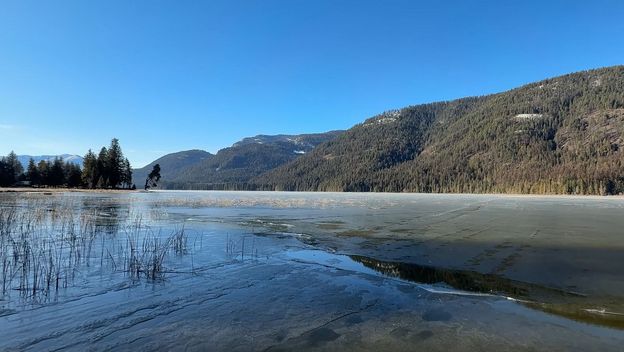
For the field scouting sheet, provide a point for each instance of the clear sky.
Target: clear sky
(165, 76)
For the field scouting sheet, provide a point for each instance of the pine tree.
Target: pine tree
(15, 165)
(102, 174)
(126, 179)
(32, 173)
(12, 169)
(89, 170)
(5, 179)
(115, 163)
(57, 173)
(153, 177)
(73, 175)
(44, 172)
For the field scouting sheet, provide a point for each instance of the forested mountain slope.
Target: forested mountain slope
(562, 135)
(235, 166)
(171, 165)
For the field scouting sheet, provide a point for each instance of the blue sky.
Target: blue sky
(164, 76)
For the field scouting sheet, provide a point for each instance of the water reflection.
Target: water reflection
(107, 214)
(571, 305)
(50, 244)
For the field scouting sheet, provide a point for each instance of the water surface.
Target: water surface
(310, 271)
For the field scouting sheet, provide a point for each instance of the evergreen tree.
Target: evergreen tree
(115, 164)
(102, 174)
(14, 164)
(10, 170)
(126, 178)
(44, 172)
(73, 175)
(153, 177)
(5, 173)
(32, 173)
(89, 170)
(56, 176)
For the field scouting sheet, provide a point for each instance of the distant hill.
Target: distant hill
(74, 159)
(171, 165)
(563, 135)
(235, 166)
(300, 144)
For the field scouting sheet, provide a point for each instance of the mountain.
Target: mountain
(171, 165)
(235, 166)
(563, 135)
(74, 159)
(300, 144)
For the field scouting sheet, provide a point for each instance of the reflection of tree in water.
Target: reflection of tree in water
(107, 215)
(547, 299)
(459, 279)
(49, 244)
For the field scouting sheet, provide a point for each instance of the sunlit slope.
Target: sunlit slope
(233, 167)
(561, 135)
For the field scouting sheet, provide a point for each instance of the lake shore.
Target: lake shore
(62, 190)
(509, 195)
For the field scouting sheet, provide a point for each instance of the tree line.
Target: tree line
(109, 169)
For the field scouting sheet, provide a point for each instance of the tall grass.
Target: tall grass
(46, 246)
(145, 251)
(245, 252)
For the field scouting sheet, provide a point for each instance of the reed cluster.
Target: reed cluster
(46, 246)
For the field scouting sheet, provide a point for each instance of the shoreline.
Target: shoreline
(502, 195)
(63, 190)
(506, 195)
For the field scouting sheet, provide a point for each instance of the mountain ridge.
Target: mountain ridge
(234, 166)
(562, 135)
(171, 164)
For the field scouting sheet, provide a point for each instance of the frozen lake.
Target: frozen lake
(263, 271)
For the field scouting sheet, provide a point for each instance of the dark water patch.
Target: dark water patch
(436, 315)
(330, 225)
(578, 313)
(357, 233)
(425, 334)
(400, 332)
(465, 280)
(571, 305)
(321, 336)
(302, 237)
(314, 339)
(281, 335)
(406, 288)
(509, 261)
(6, 312)
(402, 230)
(354, 319)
